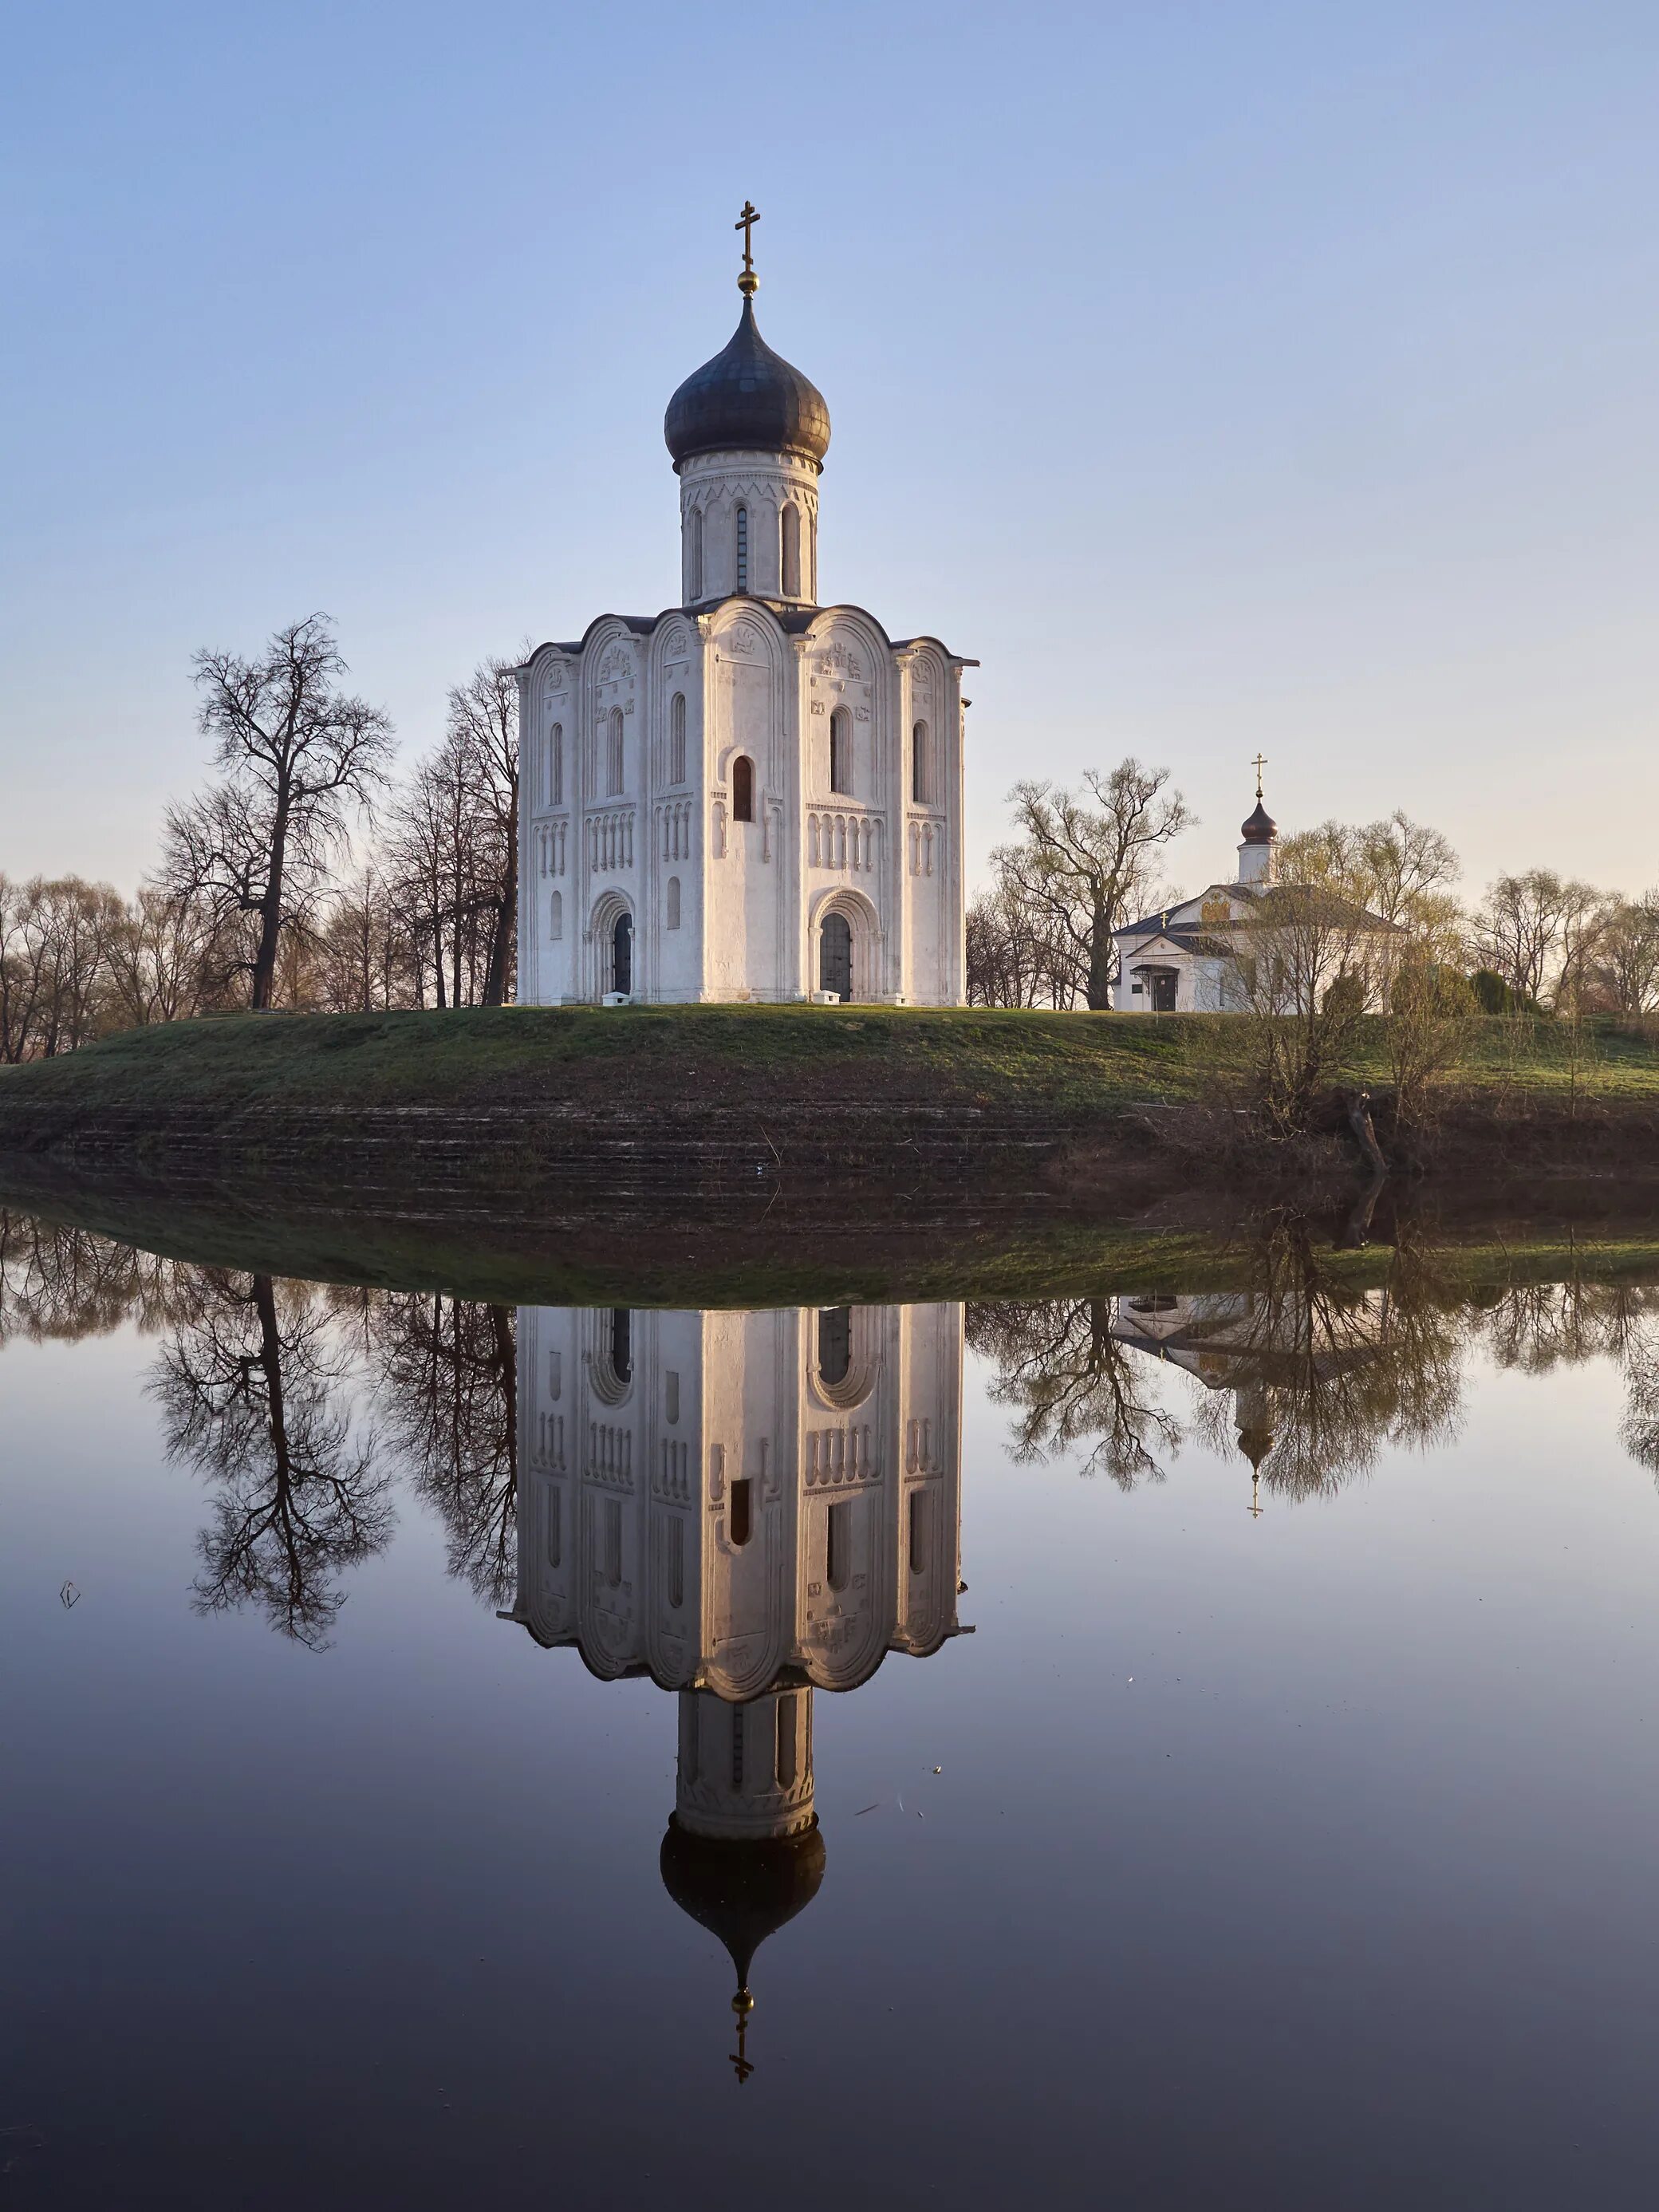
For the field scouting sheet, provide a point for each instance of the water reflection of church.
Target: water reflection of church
(746, 1507)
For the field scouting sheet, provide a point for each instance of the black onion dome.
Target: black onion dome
(742, 1891)
(1260, 829)
(748, 398)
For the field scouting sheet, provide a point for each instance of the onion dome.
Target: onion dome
(741, 1892)
(747, 398)
(1260, 828)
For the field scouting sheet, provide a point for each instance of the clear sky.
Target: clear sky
(1222, 376)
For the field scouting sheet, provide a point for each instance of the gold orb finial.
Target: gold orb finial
(748, 283)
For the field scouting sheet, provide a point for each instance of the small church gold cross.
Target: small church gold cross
(745, 222)
(1258, 765)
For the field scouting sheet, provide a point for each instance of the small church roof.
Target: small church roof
(1260, 828)
(1160, 924)
(747, 398)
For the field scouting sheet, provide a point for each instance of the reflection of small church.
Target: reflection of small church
(751, 795)
(745, 1507)
(1262, 1348)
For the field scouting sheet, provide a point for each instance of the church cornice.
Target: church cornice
(793, 617)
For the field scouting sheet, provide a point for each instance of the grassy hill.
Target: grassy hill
(599, 1058)
(939, 1115)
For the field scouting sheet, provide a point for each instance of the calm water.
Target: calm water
(424, 1720)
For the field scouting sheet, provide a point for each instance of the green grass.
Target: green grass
(475, 1057)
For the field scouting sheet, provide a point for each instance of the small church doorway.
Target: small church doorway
(1161, 984)
(836, 956)
(622, 954)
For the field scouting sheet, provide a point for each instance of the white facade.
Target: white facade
(748, 1508)
(749, 796)
(733, 1501)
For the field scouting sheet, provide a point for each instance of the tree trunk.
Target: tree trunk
(501, 939)
(506, 1364)
(1098, 989)
(1357, 1104)
(438, 960)
(271, 915)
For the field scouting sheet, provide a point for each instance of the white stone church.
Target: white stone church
(751, 795)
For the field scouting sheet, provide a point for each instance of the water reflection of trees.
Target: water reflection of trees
(1073, 1386)
(1305, 1375)
(447, 1384)
(264, 1387)
(61, 1285)
(255, 1388)
(1537, 1327)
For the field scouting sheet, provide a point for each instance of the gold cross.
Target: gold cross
(748, 282)
(1258, 765)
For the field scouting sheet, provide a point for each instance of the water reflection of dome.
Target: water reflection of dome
(742, 1892)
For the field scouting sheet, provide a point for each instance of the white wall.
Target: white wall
(752, 895)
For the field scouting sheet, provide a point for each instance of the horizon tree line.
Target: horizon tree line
(1085, 863)
(309, 873)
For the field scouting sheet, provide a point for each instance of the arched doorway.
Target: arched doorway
(622, 953)
(836, 956)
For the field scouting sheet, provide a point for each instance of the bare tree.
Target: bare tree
(1426, 1033)
(1084, 862)
(484, 723)
(1305, 967)
(298, 757)
(363, 953)
(1623, 971)
(1403, 871)
(1016, 955)
(1538, 931)
(431, 859)
(451, 850)
(157, 957)
(56, 938)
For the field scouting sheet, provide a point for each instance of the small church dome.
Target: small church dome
(749, 399)
(1260, 828)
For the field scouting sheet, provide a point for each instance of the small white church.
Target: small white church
(751, 795)
(1188, 957)
(1182, 959)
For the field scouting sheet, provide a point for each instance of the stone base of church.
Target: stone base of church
(733, 998)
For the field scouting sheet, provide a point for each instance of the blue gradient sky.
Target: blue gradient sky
(1222, 376)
